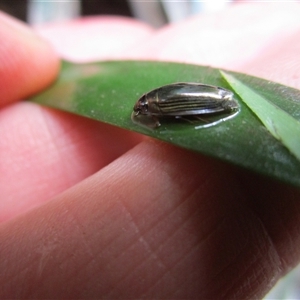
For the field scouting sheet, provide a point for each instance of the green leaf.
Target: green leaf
(107, 91)
(280, 124)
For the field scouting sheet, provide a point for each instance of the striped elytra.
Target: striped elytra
(185, 99)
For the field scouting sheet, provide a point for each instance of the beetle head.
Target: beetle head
(141, 107)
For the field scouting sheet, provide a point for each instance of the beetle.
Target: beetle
(185, 99)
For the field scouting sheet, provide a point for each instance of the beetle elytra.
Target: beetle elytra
(185, 99)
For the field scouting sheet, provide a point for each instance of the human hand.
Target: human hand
(116, 215)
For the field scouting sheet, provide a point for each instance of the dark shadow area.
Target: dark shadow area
(16, 8)
(105, 7)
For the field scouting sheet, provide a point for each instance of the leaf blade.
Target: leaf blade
(107, 91)
(279, 123)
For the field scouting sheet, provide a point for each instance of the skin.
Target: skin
(92, 211)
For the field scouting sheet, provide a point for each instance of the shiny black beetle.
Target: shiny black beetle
(185, 99)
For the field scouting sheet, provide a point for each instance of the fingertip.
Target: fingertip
(101, 37)
(27, 63)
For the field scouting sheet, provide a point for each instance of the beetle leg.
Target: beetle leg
(185, 119)
(203, 120)
(156, 121)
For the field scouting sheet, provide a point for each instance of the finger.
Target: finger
(185, 228)
(43, 152)
(27, 63)
(96, 38)
(228, 38)
(279, 60)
